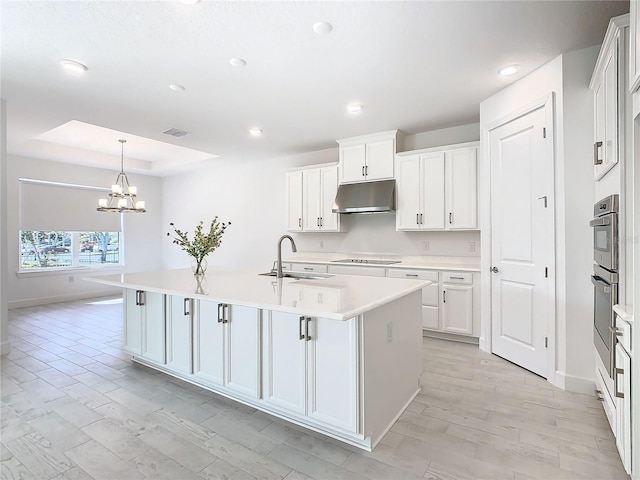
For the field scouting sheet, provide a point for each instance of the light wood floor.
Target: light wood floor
(75, 407)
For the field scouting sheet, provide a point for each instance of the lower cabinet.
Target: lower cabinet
(145, 325)
(310, 368)
(457, 303)
(179, 333)
(622, 382)
(226, 345)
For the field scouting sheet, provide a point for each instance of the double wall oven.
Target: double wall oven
(605, 277)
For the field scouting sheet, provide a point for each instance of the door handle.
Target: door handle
(616, 372)
(187, 306)
(596, 160)
(545, 200)
(494, 269)
(300, 328)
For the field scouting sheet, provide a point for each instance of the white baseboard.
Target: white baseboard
(5, 347)
(574, 384)
(34, 302)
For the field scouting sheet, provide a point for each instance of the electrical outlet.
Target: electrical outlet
(425, 246)
(472, 246)
(389, 332)
(321, 243)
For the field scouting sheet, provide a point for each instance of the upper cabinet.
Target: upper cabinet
(310, 196)
(368, 157)
(608, 85)
(437, 188)
(634, 41)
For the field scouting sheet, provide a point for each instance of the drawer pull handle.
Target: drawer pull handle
(596, 159)
(300, 328)
(599, 396)
(308, 268)
(616, 372)
(187, 307)
(410, 274)
(616, 331)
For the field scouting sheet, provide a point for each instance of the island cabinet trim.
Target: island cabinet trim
(343, 383)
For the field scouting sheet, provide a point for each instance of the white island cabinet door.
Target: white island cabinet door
(208, 343)
(457, 309)
(153, 327)
(243, 349)
(133, 312)
(333, 374)
(284, 361)
(179, 334)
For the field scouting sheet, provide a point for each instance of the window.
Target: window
(59, 227)
(53, 249)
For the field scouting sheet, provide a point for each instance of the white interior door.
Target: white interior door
(521, 250)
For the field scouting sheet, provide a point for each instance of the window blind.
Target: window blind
(65, 207)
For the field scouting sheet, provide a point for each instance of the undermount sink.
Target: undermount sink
(301, 276)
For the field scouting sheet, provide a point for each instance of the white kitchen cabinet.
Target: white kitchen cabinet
(634, 51)
(357, 270)
(430, 297)
(319, 187)
(310, 368)
(608, 85)
(457, 309)
(179, 321)
(437, 189)
(368, 157)
(622, 390)
(294, 201)
(144, 324)
(309, 267)
(226, 346)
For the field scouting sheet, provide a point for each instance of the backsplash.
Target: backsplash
(377, 234)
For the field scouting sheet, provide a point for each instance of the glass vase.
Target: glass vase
(199, 267)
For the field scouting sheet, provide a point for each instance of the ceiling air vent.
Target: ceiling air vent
(174, 132)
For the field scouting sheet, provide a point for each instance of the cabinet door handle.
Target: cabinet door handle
(366, 170)
(444, 296)
(450, 218)
(221, 313)
(226, 310)
(300, 222)
(300, 328)
(138, 297)
(421, 222)
(596, 160)
(318, 221)
(616, 372)
(322, 221)
(306, 329)
(363, 171)
(599, 396)
(417, 219)
(187, 306)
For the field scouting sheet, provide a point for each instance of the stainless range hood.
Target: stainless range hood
(366, 197)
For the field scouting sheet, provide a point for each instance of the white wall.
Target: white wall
(5, 346)
(252, 195)
(568, 76)
(143, 233)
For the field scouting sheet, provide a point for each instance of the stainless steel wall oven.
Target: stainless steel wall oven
(605, 278)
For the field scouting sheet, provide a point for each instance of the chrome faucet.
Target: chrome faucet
(293, 249)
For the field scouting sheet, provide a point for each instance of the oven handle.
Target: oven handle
(600, 222)
(598, 282)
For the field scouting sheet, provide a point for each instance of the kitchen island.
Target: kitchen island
(337, 354)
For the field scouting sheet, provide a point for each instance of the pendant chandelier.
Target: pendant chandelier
(122, 198)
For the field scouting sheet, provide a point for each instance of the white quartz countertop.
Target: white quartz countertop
(624, 311)
(468, 264)
(339, 297)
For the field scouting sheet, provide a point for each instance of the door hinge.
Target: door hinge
(546, 272)
(546, 342)
(544, 132)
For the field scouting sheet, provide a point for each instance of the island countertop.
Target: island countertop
(339, 297)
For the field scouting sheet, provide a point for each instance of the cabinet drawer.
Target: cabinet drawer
(607, 401)
(364, 271)
(625, 333)
(415, 274)
(457, 277)
(430, 295)
(430, 317)
(308, 267)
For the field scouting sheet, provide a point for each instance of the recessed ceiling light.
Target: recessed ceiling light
(176, 87)
(322, 28)
(509, 70)
(72, 66)
(354, 107)
(238, 62)
(255, 131)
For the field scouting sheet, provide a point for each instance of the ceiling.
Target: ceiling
(415, 66)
